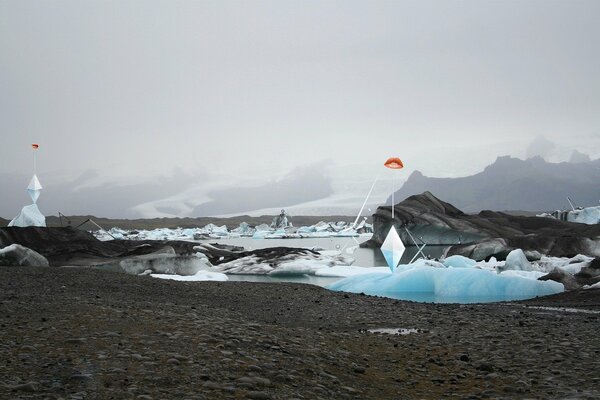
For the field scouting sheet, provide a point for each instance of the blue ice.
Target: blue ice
(459, 262)
(427, 283)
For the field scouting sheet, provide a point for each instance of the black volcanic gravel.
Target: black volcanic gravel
(77, 333)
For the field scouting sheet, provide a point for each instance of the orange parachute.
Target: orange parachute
(394, 163)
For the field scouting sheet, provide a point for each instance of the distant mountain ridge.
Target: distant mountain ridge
(514, 184)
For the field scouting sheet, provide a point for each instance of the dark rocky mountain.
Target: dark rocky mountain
(483, 235)
(514, 184)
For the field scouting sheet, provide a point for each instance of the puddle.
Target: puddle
(395, 331)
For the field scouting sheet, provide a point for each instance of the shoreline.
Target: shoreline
(84, 333)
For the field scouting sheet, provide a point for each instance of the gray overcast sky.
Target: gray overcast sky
(260, 87)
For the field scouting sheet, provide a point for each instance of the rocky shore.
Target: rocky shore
(78, 333)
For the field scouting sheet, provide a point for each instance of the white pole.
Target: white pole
(365, 202)
(34, 162)
(393, 189)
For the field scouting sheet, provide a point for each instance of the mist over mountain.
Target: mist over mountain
(85, 195)
(514, 184)
(301, 185)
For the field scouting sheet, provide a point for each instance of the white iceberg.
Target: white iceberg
(588, 215)
(199, 276)
(15, 254)
(516, 260)
(29, 216)
(458, 261)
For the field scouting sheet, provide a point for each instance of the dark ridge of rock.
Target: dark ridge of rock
(589, 275)
(3, 222)
(561, 276)
(77, 247)
(69, 246)
(513, 184)
(484, 235)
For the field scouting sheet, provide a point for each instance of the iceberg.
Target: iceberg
(588, 215)
(211, 231)
(29, 216)
(459, 262)
(426, 283)
(198, 276)
(15, 254)
(516, 260)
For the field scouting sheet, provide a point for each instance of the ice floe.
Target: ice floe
(199, 276)
(425, 281)
(263, 231)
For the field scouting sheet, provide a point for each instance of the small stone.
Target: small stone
(29, 387)
(80, 377)
(359, 370)
(258, 395)
(211, 385)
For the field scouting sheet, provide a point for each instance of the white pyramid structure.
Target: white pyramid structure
(34, 188)
(392, 248)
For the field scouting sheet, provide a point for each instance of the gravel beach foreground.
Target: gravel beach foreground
(78, 333)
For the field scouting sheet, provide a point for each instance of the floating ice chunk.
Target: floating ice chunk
(306, 229)
(15, 254)
(447, 285)
(459, 262)
(199, 276)
(588, 215)
(491, 265)
(299, 267)
(29, 216)
(286, 264)
(244, 230)
(575, 268)
(516, 260)
(418, 264)
(570, 265)
(524, 274)
(164, 261)
(594, 286)
(350, 270)
(394, 331)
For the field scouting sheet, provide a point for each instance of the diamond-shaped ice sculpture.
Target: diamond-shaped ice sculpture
(392, 248)
(34, 188)
(34, 194)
